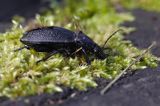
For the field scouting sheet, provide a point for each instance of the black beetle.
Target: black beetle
(55, 39)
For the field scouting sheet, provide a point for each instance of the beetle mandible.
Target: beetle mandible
(53, 40)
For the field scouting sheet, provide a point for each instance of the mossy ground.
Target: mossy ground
(21, 76)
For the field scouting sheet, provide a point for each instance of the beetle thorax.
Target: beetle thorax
(89, 45)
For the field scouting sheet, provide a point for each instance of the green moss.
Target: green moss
(21, 76)
(151, 5)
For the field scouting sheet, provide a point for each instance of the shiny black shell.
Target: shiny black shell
(48, 35)
(64, 41)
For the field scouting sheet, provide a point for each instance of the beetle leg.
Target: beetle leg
(76, 51)
(47, 56)
(86, 57)
(66, 51)
(24, 47)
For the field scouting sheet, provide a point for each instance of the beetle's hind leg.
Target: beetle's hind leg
(47, 56)
(24, 47)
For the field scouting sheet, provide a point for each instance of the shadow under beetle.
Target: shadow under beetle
(53, 40)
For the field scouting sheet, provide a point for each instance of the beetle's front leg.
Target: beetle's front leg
(47, 56)
(24, 47)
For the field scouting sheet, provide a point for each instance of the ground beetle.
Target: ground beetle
(55, 39)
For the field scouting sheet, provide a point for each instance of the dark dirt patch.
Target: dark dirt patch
(142, 88)
(147, 26)
(38, 100)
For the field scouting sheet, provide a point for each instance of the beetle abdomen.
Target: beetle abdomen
(48, 35)
(70, 47)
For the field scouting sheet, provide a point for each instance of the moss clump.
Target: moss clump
(150, 5)
(21, 76)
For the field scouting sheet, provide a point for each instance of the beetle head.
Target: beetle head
(89, 45)
(99, 53)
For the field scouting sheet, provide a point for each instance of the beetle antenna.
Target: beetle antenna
(111, 37)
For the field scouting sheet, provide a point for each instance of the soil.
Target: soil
(138, 89)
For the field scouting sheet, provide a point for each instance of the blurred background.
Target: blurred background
(26, 8)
